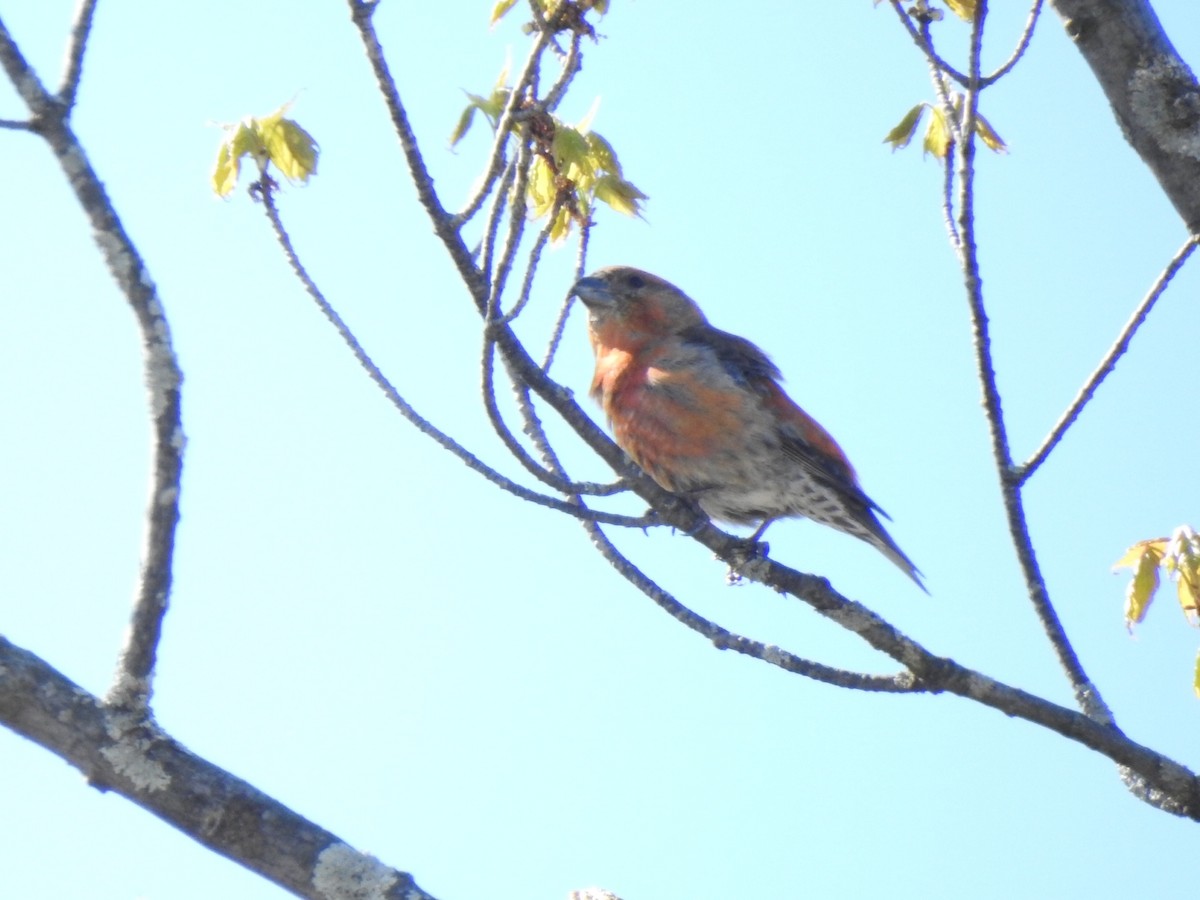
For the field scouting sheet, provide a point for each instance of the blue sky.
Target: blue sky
(452, 679)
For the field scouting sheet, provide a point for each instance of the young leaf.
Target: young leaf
(620, 194)
(225, 172)
(964, 9)
(240, 140)
(1144, 558)
(561, 226)
(541, 188)
(501, 7)
(271, 139)
(937, 135)
(988, 135)
(571, 149)
(246, 141)
(464, 124)
(1183, 558)
(1189, 598)
(903, 132)
(289, 147)
(1142, 588)
(602, 153)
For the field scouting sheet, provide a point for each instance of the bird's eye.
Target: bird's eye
(636, 281)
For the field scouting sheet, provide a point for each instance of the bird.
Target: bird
(702, 412)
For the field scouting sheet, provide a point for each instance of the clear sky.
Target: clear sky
(453, 680)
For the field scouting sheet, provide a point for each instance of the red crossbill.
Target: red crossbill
(701, 411)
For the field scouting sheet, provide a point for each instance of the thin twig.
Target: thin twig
(131, 688)
(1022, 46)
(16, 124)
(503, 129)
(81, 27)
(422, 424)
(723, 639)
(536, 430)
(488, 244)
(516, 230)
(444, 224)
(570, 68)
(925, 42)
(537, 433)
(948, 197)
(949, 111)
(560, 323)
(475, 203)
(1024, 472)
(1086, 693)
(535, 256)
(558, 483)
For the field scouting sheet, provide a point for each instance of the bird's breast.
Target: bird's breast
(674, 422)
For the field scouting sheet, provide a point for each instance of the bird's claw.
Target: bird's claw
(746, 551)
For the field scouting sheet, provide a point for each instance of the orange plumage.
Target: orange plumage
(702, 412)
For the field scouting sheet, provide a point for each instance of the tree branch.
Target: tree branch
(213, 807)
(132, 685)
(1086, 693)
(933, 673)
(560, 321)
(503, 128)
(548, 477)
(923, 41)
(1019, 51)
(1025, 472)
(723, 639)
(405, 409)
(81, 27)
(1153, 93)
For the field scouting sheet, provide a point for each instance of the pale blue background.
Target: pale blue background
(452, 679)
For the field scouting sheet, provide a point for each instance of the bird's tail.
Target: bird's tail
(882, 541)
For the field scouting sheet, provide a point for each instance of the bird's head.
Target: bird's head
(628, 305)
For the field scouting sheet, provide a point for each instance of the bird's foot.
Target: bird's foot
(747, 550)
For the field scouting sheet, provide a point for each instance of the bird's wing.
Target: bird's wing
(810, 445)
(744, 361)
(803, 438)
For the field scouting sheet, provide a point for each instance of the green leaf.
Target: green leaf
(542, 191)
(271, 139)
(561, 227)
(902, 134)
(988, 135)
(225, 172)
(501, 7)
(571, 152)
(289, 147)
(602, 153)
(1144, 558)
(1189, 597)
(240, 140)
(464, 124)
(620, 194)
(937, 134)
(1183, 555)
(1142, 588)
(246, 141)
(964, 9)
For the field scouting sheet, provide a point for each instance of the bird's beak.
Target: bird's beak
(594, 292)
